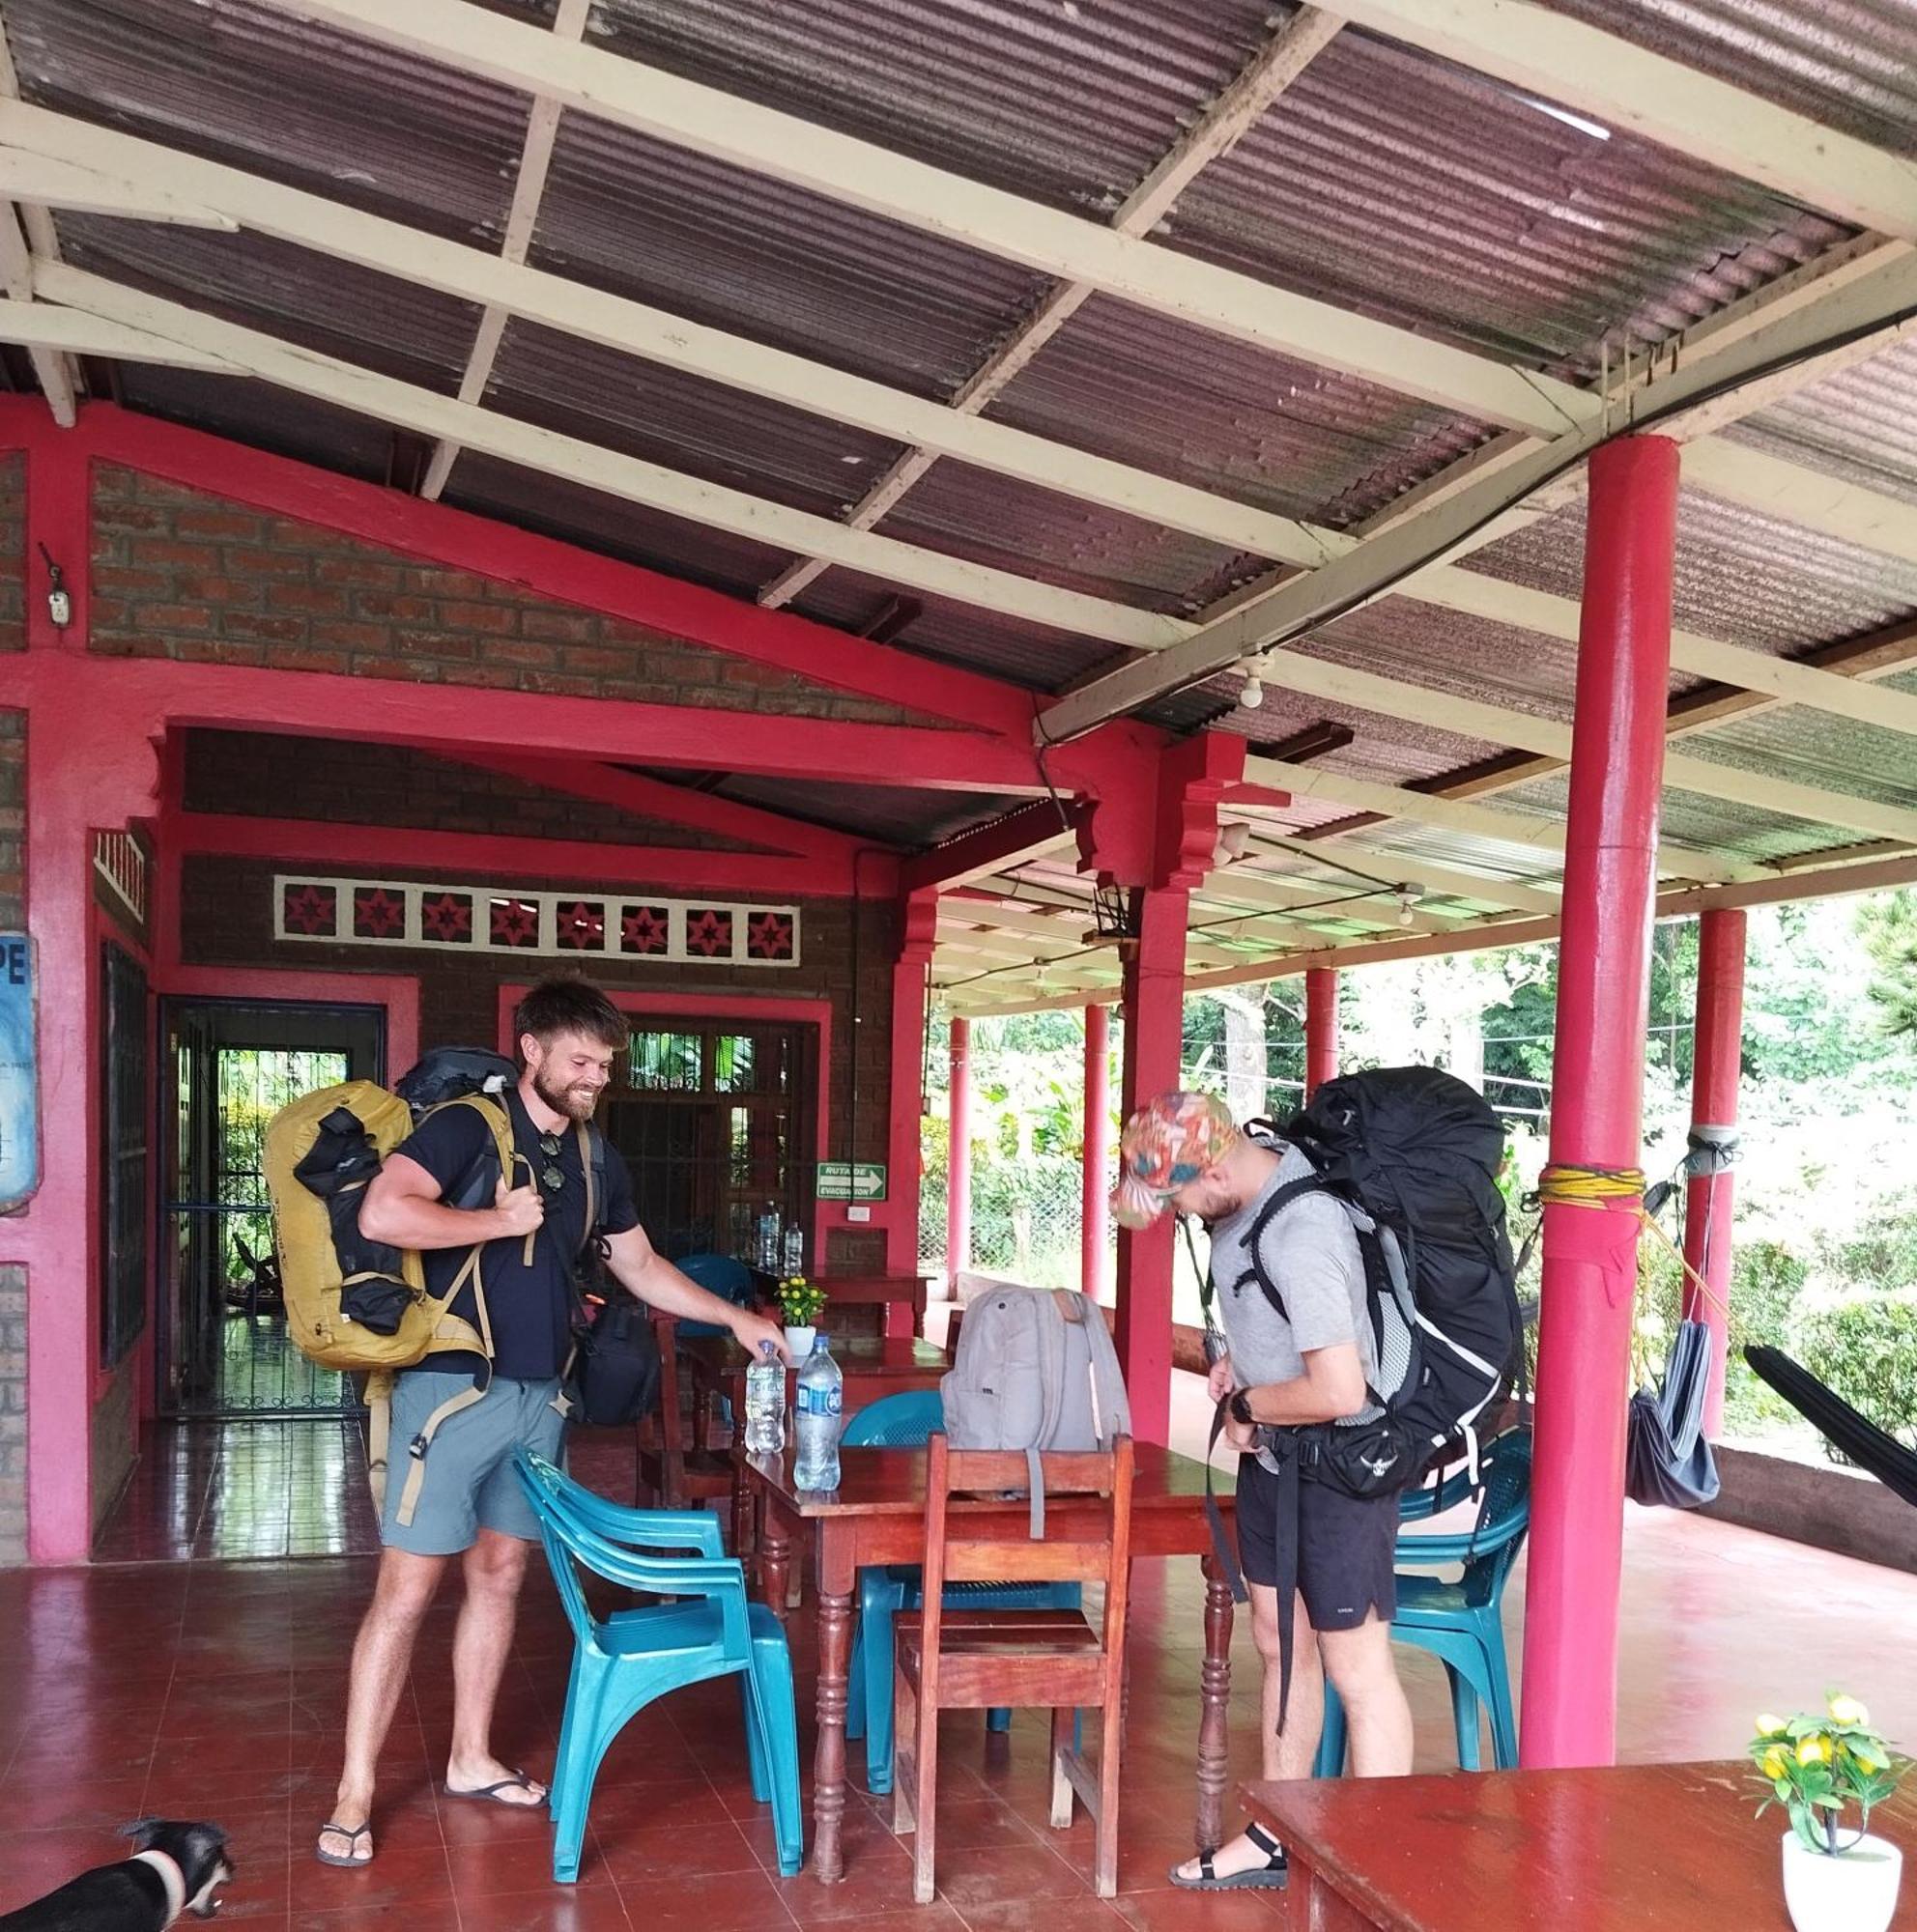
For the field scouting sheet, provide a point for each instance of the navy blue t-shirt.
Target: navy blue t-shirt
(530, 1308)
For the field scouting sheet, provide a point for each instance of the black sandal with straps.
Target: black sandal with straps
(1274, 1875)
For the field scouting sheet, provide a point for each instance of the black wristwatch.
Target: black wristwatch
(1238, 1407)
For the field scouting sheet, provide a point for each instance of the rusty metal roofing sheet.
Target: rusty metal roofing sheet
(338, 308)
(1394, 183)
(1851, 63)
(1065, 103)
(732, 248)
(307, 104)
(1740, 576)
(1224, 415)
(576, 514)
(685, 422)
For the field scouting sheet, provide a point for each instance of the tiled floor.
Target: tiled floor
(214, 1688)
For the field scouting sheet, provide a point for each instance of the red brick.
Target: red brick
(353, 637)
(363, 572)
(553, 684)
(172, 617)
(314, 597)
(596, 659)
(268, 630)
(434, 580)
(436, 644)
(405, 669)
(496, 617)
(243, 562)
(297, 658)
(568, 626)
(401, 608)
(211, 521)
(508, 650)
(206, 589)
(169, 549)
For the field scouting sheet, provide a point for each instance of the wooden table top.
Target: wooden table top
(891, 1482)
(1635, 1846)
(857, 1355)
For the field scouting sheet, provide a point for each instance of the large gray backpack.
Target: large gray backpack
(1036, 1370)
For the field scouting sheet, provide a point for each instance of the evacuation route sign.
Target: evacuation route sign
(20, 1129)
(852, 1180)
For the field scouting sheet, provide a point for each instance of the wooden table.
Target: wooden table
(1642, 1847)
(876, 1516)
(872, 1365)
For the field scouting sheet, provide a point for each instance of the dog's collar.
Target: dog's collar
(170, 1876)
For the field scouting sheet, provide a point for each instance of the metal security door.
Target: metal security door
(225, 1350)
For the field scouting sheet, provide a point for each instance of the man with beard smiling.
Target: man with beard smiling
(469, 1504)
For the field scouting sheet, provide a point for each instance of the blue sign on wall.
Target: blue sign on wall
(19, 1126)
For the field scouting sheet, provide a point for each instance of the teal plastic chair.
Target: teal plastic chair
(907, 1421)
(1460, 1624)
(622, 1661)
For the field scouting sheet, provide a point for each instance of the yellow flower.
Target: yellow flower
(1769, 1724)
(1813, 1749)
(1848, 1711)
(1776, 1761)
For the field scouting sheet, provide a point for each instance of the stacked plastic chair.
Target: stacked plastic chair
(1462, 1623)
(625, 1660)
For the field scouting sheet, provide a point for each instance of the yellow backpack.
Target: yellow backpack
(356, 1305)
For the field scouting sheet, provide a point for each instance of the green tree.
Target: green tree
(1888, 929)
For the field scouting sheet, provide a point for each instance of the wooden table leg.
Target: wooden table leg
(1214, 1700)
(742, 1514)
(834, 1657)
(775, 1556)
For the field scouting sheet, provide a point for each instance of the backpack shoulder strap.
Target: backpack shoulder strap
(592, 1164)
(1254, 1240)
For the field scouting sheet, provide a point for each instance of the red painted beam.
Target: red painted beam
(407, 852)
(1576, 1539)
(1320, 1027)
(1005, 841)
(958, 1155)
(1267, 796)
(1717, 1042)
(1095, 1217)
(677, 804)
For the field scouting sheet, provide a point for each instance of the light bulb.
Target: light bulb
(1404, 913)
(1251, 693)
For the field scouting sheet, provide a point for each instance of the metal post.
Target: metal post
(1716, 1053)
(958, 1159)
(1094, 1223)
(1320, 1027)
(1153, 1038)
(1576, 1561)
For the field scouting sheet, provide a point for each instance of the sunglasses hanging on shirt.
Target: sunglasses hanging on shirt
(550, 1177)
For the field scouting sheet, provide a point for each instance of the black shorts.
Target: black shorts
(1346, 1549)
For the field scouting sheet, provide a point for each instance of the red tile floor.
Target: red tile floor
(211, 1687)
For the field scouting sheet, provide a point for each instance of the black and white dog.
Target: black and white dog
(176, 1867)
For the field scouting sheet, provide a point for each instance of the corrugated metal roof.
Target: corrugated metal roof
(297, 102)
(1851, 63)
(337, 309)
(1064, 102)
(685, 422)
(1859, 425)
(1399, 185)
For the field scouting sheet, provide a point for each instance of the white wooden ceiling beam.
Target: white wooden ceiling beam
(26, 231)
(1286, 55)
(40, 325)
(784, 147)
(428, 414)
(535, 160)
(1561, 60)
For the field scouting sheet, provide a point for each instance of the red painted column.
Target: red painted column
(1576, 1560)
(958, 1157)
(1094, 1220)
(911, 976)
(1716, 1055)
(1154, 1036)
(1320, 1027)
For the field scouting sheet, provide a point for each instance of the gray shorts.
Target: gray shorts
(469, 1484)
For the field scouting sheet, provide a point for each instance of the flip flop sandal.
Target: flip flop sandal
(1274, 1875)
(351, 1834)
(490, 1793)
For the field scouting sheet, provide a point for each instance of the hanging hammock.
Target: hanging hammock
(1667, 1458)
(1859, 1437)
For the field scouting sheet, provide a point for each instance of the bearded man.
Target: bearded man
(470, 1505)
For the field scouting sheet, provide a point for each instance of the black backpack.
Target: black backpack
(1413, 1153)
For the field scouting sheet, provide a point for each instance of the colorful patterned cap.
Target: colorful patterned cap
(1167, 1143)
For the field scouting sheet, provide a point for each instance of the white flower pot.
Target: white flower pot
(799, 1341)
(1853, 1892)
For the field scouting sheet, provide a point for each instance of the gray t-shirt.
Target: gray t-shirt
(1309, 1252)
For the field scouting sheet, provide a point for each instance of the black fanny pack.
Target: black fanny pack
(1365, 1459)
(615, 1364)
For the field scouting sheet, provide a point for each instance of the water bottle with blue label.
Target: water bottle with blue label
(819, 1413)
(766, 1402)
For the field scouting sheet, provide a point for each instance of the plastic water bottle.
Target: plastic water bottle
(765, 1404)
(821, 1409)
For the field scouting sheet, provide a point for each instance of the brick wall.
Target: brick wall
(12, 552)
(226, 920)
(181, 573)
(13, 1279)
(378, 784)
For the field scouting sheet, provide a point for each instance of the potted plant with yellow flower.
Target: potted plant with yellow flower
(799, 1304)
(1816, 1765)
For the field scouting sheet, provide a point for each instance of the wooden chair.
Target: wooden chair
(676, 1472)
(977, 1659)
